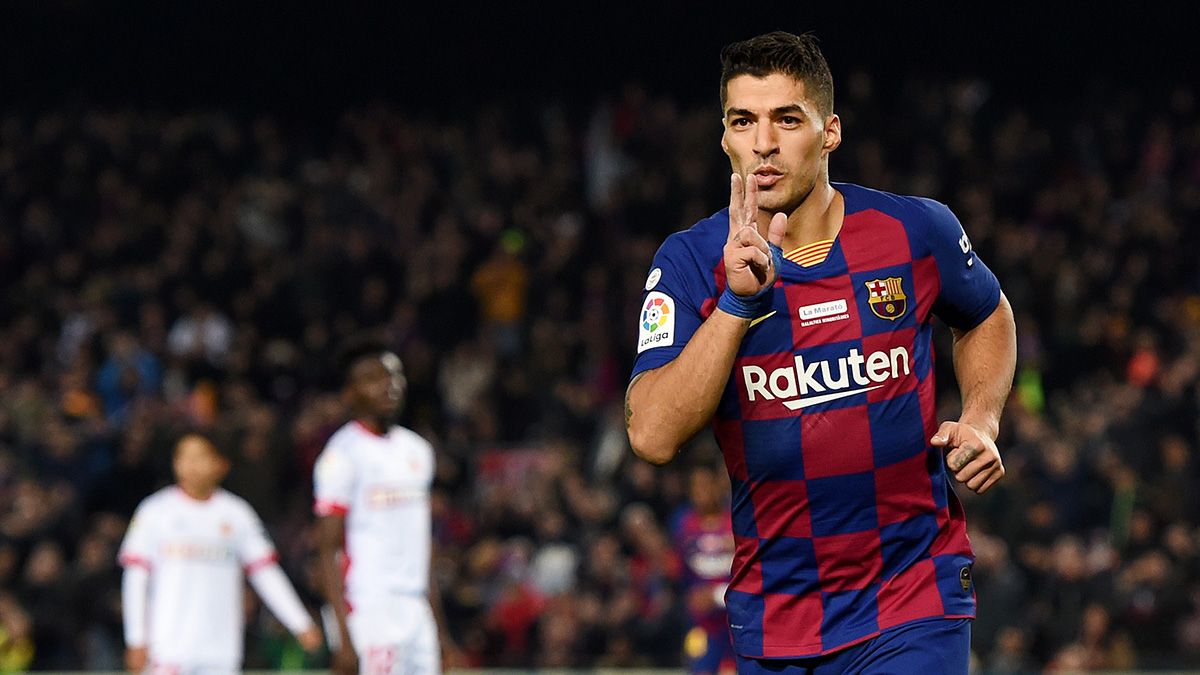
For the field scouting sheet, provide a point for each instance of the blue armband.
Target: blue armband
(753, 306)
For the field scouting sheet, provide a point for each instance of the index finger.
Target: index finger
(750, 205)
(737, 194)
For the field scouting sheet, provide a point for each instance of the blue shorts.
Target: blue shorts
(929, 647)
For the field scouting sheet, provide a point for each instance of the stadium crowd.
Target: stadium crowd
(164, 271)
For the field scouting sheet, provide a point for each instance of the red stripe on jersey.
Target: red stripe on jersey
(781, 509)
(261, 563)
(324, 507)
(802, 614)
(952, 530)
(748, 577)
(903, 490)
(836, 442)
(131, 560)
(850, 561)
(729, 439)
(824, 327)
(912, 594)
(861, 235)
(928, 284)
(927, 397)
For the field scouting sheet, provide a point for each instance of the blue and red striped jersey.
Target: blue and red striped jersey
(844, 519)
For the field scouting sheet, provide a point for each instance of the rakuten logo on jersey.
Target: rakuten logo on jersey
(809, 383)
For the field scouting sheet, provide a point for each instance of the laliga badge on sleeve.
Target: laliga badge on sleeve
(656, 325)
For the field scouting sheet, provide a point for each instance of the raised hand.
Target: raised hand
(749, 265)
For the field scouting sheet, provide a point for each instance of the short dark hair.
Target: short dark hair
(354, 351)
(796, 56)
(217, 449)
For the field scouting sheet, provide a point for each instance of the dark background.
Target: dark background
(311, 59)
(495, 217)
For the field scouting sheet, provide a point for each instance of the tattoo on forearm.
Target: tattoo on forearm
(629, 408)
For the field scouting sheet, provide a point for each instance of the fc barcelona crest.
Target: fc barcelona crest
(887, 298)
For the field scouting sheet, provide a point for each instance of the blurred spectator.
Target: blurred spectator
(16, 636)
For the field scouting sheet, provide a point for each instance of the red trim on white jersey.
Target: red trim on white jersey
(369, 430)
(262, 562)
(325, 507)
(131, 560)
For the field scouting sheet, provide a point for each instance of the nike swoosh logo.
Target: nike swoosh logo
(761, 319)
(796, 404)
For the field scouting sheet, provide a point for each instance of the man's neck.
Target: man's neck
(375, 425)
(200, 494)
(818, 218)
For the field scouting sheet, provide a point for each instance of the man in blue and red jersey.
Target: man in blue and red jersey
(702, 533)
(798, 324)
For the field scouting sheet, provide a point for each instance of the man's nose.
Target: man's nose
(766, 142)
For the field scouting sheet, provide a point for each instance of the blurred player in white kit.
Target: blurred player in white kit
(372, 485)
(184, 555)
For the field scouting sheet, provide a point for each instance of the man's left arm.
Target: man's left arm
(985, 359)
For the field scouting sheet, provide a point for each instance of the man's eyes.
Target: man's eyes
(787, 121)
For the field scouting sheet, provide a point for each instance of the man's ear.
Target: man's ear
(833, 134)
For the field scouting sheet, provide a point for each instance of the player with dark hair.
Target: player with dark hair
(799, 324)
(185, 554)
(372, 484)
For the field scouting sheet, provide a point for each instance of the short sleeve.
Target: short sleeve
(969, 291)
(137, 549)
(333, 482)
(670, 312)
(254, 546)
(431, 462)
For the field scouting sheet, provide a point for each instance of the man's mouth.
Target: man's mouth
(767, 176)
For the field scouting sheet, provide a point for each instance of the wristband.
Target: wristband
(753, 306)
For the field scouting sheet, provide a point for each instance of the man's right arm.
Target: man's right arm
(331, 532)
(135, 556)
(135, 584)
(333, 492)
(666, 406)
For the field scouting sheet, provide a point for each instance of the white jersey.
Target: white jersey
(196, 552)
(381, 485)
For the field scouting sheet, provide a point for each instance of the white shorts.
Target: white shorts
(395, 635)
